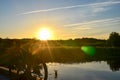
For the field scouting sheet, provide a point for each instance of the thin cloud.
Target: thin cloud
(69, 7)
(85, 28)
(94, 22)
(100, 9)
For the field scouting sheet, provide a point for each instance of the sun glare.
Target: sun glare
(44, 34)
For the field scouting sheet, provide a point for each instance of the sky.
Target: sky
(65, 19)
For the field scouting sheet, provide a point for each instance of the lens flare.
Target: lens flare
(88, 50)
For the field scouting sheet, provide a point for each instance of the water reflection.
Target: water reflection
(83, 71)
(114, 65)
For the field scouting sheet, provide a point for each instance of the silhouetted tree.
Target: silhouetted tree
(114, 39)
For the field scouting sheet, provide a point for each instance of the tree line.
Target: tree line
(112, 41)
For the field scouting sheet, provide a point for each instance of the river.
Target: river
(94, 70)
(3, 77)
(82, 71)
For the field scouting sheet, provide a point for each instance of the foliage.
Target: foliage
(114, 39)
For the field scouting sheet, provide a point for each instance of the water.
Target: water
(3, 77)
(100, 70)
(82, 71)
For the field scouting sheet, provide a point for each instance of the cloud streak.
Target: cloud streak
(75, 6)
(94, 22)
(85, 28)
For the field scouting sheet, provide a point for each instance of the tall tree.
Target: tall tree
(114, 39)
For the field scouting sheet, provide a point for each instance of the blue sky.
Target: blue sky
(65, 18)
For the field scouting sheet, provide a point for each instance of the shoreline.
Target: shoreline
(4, 73)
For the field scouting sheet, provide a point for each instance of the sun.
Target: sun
(44, 34)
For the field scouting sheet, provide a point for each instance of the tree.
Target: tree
(114, 39)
